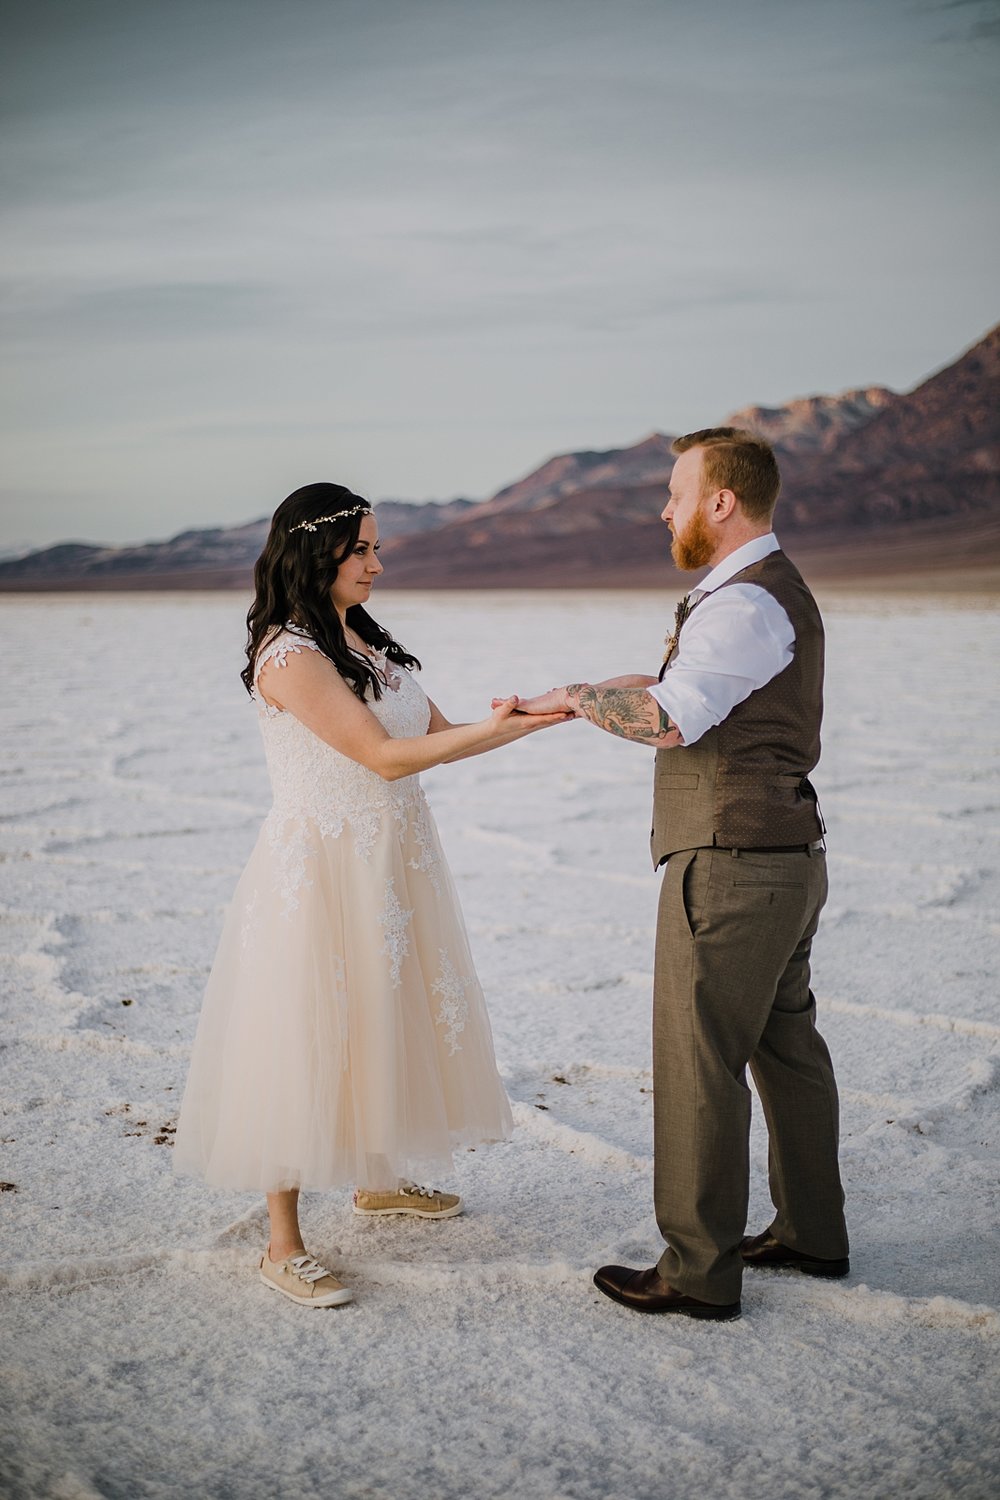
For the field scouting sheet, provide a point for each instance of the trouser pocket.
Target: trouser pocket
(692, 887)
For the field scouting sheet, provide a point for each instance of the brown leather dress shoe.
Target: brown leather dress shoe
(646, 1291)
(765, 1250)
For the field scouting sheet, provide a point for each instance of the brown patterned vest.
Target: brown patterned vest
(744, 784)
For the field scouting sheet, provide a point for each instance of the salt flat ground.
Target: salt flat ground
(141, 1357)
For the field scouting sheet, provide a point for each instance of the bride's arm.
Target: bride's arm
(510, 730)
(310, 688)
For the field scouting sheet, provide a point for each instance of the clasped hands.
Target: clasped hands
(555, 701)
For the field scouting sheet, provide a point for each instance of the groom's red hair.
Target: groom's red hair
(738, 460)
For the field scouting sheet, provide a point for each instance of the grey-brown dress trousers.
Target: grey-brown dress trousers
(732, 989)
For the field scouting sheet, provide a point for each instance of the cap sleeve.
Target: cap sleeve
(279, 646)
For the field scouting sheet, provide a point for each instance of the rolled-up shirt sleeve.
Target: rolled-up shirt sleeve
(734, 642)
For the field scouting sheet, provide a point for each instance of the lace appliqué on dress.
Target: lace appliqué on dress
(289, 842)
(389, 673)
(427, 861)
(277, 651)
(340, 983)
(454, 1009)
(394, 921)
(247, 924)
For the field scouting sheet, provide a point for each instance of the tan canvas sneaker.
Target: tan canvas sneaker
(304, 1280)
(422, 1202)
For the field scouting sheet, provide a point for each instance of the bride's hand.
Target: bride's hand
(554, 701)
(509, 720)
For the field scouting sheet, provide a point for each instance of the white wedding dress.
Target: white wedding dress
(343, 1037)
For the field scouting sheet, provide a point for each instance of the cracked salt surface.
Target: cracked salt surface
(140, 1355)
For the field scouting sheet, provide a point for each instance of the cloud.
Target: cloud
(986, 26)
(152, 312)
(992, 5)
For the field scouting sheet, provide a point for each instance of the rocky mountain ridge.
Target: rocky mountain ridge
(814, 424)
(866, 474)
(215, 551)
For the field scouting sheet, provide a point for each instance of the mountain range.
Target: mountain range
(874, 483)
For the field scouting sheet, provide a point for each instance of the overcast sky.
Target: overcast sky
(418, 246)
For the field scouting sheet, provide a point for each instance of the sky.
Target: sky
(418, 246)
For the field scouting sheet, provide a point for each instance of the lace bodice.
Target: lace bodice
(309, 778)
(322, 795)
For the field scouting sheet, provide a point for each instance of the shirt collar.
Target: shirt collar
(751, 552)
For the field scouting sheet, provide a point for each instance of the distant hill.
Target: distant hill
(874, 482)
(648, 462)
(233, 549)
(404, 517)
(213, 558)
(813, 424)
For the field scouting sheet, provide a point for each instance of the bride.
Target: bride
(343, 1036)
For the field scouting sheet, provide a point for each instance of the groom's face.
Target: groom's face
(693, 544)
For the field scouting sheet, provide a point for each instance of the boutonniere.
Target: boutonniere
(680, 615)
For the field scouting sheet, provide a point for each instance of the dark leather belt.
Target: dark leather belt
(813, 848)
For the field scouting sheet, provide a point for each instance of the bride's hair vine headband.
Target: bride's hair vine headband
(364, 509)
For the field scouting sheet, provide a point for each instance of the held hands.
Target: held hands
(511, 717)
(555, 701)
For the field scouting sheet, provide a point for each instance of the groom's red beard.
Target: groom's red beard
(693, 549)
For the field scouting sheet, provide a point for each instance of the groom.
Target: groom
(734, 718)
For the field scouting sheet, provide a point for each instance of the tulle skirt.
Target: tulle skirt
(343, 1037)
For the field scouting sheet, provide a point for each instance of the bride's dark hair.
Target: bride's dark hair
(292, 580)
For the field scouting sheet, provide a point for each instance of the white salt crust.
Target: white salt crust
(140, 1354)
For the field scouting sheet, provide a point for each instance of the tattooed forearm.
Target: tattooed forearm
(630, 713)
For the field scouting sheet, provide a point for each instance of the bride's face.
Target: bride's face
(359, 570)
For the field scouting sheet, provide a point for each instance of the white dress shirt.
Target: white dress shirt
(732, 643)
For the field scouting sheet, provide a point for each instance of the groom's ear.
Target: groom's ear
(722, 504)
